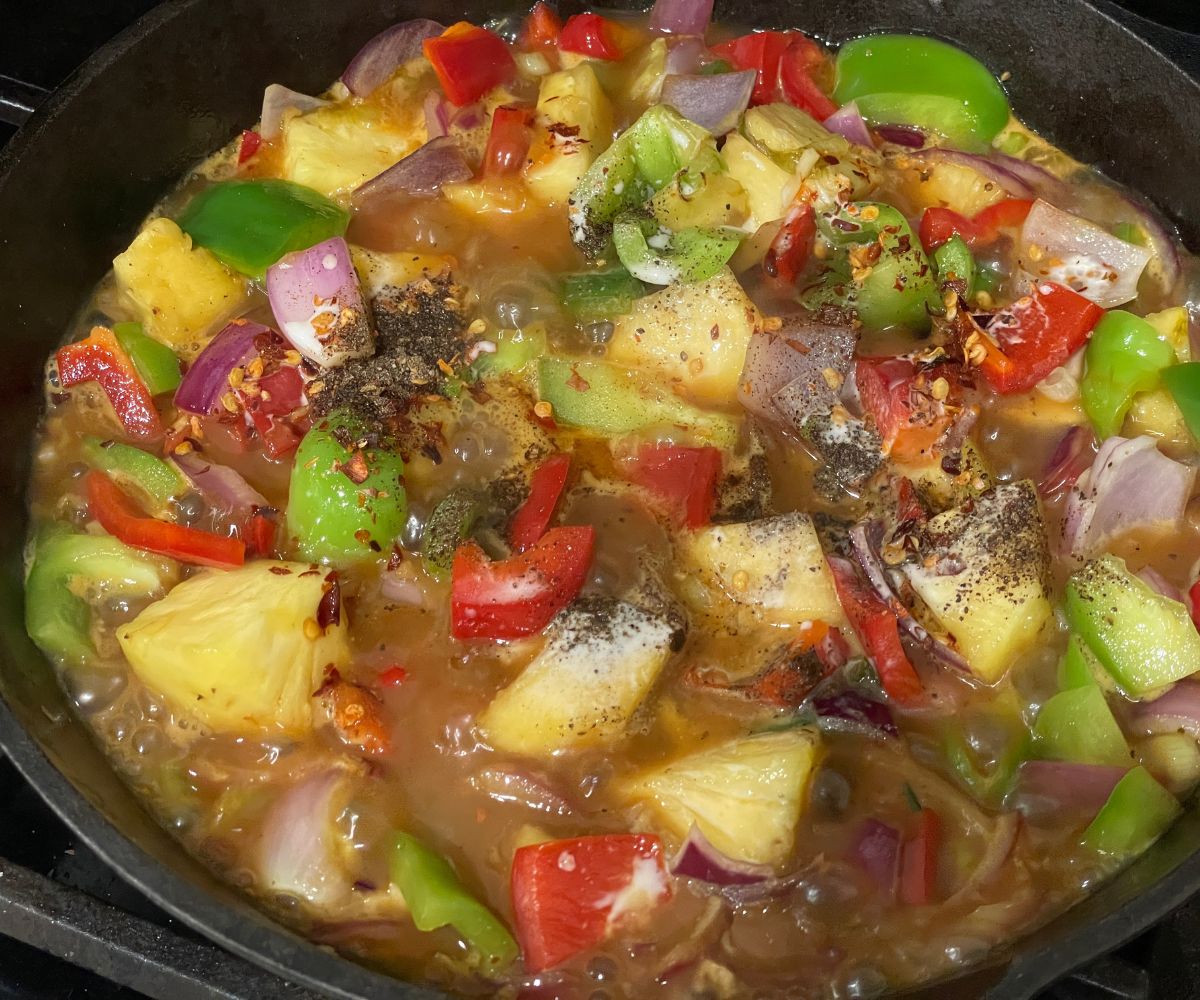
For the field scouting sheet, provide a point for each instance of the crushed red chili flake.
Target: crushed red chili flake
(394, 676)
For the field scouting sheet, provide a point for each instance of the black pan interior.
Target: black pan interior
(82, 174)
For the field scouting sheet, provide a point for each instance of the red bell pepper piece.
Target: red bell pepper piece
(918, 861)
(1036, 334)
(101, 359)
(685, 479)
(541, 28)
(469, 61)
(899, 399)
(784, 61)
(569, 895)
(876, 626)
(793, 244)
(280, 394)
(1194, 603)
(121, 519)
(251, 141)
(532, 518)
(508, 142)
(939, 224)
(260, 535)
(591, 35)
(518, 596)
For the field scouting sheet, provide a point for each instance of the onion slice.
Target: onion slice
(685, 55)
(850, 711)
(1072, 457)
(1046, 786)
(1057, 246)
(1174, 712)
(208, 379)
(379, 58)
(680, 17)
(421, 174)
(277, 101)
(1130, 484)
(1159, 583)
(901, 135)
(712, 102)
(994, 171)
(318, 304)
(848, 122)
(223, 487)
(877, 852)
(698, 859)
(297, 849)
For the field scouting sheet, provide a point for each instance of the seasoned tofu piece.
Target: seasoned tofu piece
(774, 566)
(601, 658)
(982, 571)
(746, 796)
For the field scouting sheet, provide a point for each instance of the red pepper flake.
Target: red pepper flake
(329, 610)
(577, 381)
(356, 469)
(251, 142)
(394, 676)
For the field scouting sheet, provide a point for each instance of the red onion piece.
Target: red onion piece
(848, 122)
(223, 487)
(277, 100)
(1072, 457)
(851, 712)
(685, 55)
(698, 859)
(318, 304)
(901, 135)
(1036, 178)
(680, 17)
(1159, 583)
(712, 102)
(438, 112)
(208, 379)
(1176, 711)
(877, 851)
(1130, 484)
(1081, 255)
(527, 790)
(989, 168)
(999, 849)
(1163, 240)
(379, 58)
(297, 848)
(1048, 785)
(421, 174)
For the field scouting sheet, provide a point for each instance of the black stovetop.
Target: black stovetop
(70, 928)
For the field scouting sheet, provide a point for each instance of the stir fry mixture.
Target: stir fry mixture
(619, 508)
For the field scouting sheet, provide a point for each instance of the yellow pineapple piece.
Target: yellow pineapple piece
(575, 125)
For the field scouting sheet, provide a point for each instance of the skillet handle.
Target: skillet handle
(18, 100)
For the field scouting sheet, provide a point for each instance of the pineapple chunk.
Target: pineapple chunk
(378, 270)
(946, 184)
(774, 565)
(695, 334)
(575, 125)
(230, 650)
(996, 605)
(335, 149)
(768, 186)
(179, 292)
(1157, 414)
(601, 658)
(487, 197)
(746, 796)
(716, 200)
(1172, 326)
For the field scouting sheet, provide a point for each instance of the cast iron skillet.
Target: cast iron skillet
(96, 157)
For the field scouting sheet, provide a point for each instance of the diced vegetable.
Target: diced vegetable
(576, 120)
(784, 62)
(769, 188)
(570, 895)
(600, 660)
(436, 898)
(515, 349)
(689, 256)
(683, 479)
(697, 334)
(156, 364)
(133, 467)
(918, 860)
(1144, 640)
(518, 596)
(102, 360)
(591, 35)
(249, 225)
(179, 291)
(1183, 382)
(915, 80)
(1080, 668)
(601, 295)
(982, 574)
(1135, 815)
(954, 263)
(1126, 356)
(746, 796)
(347, 499)
(1078, 725)
(451, 522)
(533, 517)
(239, 651)
(65, 568)
(469, 61)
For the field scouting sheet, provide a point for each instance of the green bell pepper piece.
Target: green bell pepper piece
(251, 224)
(954, 262)
(715, 68)
(899, 287)
(155, 363)
(600, 295)
(1144, 640)
(1078, 725)
(347, 499)
(1136, 814)
(688, 256)
(63, 566)
(436, 898)
(1125, 356)
(915, 80)
(988, 785)
(616, 400)
(1130, 232)
(451, 521)
(514, 350)
(1183, 382)
(132, 467)
(1080, 668)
